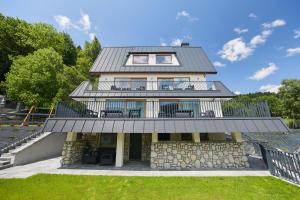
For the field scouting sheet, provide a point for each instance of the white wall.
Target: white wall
(47, 146)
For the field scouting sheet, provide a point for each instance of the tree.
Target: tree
(33, 78)
(290, 94)
(17, 37)
(71, 77)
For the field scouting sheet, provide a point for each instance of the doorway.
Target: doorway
(135, 149)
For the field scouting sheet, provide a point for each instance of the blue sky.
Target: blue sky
(255, 43)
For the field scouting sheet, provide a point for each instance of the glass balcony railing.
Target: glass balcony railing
(162, 109)
(165, 85)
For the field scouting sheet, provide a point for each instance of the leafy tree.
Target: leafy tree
(290, 94)
(71, 77)
(33, 78)
(17, 37)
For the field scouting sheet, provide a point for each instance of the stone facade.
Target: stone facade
(72, 152)
(190, 155)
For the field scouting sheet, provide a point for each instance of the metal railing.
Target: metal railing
(162, 109)
(141, 85)
(13, 145)
(284, 165)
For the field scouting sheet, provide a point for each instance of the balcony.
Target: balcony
(162, 109)
(143, 88)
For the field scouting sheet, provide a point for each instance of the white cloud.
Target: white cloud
(64, 22)
(92, 36)
(297, 33)
(235, 50)
(252, 15)
(185, 14)
(85, 22)
(270, 88)
(274, 24)
(264, 72)
(218, 64)
(163, 44)
(293, 51)
(240, 30)
(237, 92)
(176, 42)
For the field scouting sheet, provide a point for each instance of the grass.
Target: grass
(74, 187)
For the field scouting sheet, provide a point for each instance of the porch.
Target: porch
(185, 151)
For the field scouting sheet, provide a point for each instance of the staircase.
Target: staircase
(7, 153)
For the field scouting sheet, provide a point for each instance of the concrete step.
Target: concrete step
(3, 162)
(5, 159)
(6, 166)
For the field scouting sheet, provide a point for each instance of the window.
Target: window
(165, 83)
(140, 59)
(163, 136)
(186, 137)
(163, 59)
(126, 107)
(130, 84)
(203, 136)
(108, 139)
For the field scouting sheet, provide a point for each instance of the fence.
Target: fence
(284, 165)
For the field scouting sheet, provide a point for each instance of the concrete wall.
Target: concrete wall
(48, 145)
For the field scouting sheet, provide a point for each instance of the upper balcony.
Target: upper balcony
(161, 88)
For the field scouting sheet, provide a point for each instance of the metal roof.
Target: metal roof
(83, 90)
(191, 59)
(165, 125)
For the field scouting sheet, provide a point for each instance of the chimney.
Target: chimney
(185, 44)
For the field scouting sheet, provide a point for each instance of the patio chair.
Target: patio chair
(210, 114)
(190, 87)
(135, 113)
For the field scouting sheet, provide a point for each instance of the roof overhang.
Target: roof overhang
(165, 125)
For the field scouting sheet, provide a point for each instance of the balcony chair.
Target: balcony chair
(165, 87)
(141, 88)
(113, 87)
(135, 113)
(210, 114)
(190, 87)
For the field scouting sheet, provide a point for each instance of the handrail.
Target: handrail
(142, 85)
(19, 142)
(163, 109)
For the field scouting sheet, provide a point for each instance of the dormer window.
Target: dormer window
(163, 59)
(140, 59)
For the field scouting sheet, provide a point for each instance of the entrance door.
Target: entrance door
(135, 149)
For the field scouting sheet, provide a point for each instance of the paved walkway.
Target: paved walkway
(52, 166)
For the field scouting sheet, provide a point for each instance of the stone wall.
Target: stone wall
(190, 155)
(72, 152)
(146, 147)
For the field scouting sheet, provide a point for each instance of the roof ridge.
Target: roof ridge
(152, 46)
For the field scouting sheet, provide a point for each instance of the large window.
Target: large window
(127, 108)
(140, 59)
(179, 109)
(178, 83)
(163, 136)
(163, 59)
(130, 84)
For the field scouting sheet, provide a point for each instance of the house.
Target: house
(153, 104)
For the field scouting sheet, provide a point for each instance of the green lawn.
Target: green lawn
(108, 187)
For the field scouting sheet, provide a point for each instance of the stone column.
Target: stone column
(154, 137)
(196, 137)
(236, 136)
(71, 137)
(120, 150)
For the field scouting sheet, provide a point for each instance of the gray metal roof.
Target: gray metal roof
(83, 90)
(191, 59)
(165, 125)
